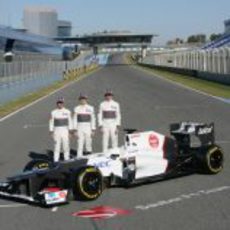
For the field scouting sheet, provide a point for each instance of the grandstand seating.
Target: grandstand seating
(222, 41)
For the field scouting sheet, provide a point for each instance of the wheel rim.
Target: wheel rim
(91, 184)
(216, 160)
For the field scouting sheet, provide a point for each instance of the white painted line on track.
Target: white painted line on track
(158, 107)
(13, 205)
(181, 198)
(27, 126)
(222, 142)
(43, 98)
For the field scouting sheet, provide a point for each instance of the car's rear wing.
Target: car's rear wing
(192, 134)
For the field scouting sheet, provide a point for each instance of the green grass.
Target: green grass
(211, 88)
(29, 98)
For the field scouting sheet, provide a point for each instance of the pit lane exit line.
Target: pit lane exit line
(27, 126)
(13, 205)
(160, 107)
(181, 198)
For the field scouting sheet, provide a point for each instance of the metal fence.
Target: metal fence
(212, 61)
(20, 78)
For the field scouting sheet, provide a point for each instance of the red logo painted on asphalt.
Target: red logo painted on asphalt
(101, 212)
(153, 141)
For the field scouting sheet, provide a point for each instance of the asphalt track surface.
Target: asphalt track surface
(147, 102)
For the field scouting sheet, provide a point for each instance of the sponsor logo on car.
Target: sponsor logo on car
(153, 141)
(132, 151)
(52, 195)
(102, 164)
(56, 197)
(136, 135)
(62, 194)
(206, 130)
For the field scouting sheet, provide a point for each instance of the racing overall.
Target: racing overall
(109, 118)
(61, 124)
(84, 124)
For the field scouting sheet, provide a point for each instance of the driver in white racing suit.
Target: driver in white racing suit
(60, 126)
(84, 125)
(109, 120)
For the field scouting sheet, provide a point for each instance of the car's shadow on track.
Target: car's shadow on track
(29, 203)
(20, 201)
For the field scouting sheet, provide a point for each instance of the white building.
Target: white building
(41, 20)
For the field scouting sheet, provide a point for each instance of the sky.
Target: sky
(167, 18)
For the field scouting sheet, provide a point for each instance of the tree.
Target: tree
(214, 36)
(176, 41)
(197, 38)
(179, 41)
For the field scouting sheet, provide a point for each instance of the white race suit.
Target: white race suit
(61, 124)
(109, 118)
(84, 124)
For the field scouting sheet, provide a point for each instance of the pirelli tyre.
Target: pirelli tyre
(37, 165)
(87, 184)
(212, 160)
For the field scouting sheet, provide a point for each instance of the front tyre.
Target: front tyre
(213, 160)
(87, 184)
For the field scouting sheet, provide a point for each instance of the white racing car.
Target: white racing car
(145, 157)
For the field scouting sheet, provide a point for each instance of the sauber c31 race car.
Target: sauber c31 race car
(145, 157)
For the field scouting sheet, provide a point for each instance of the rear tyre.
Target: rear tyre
(87, 184)
(37, 165)
(213, 160)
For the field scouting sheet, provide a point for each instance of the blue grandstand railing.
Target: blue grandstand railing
(223, 41)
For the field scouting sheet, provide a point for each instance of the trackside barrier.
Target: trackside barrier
(21, 78)
(78, 71)
(213, 64)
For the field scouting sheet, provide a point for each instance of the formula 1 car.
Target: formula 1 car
(145, 157)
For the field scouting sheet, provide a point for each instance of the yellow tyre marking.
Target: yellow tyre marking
(92, 170)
